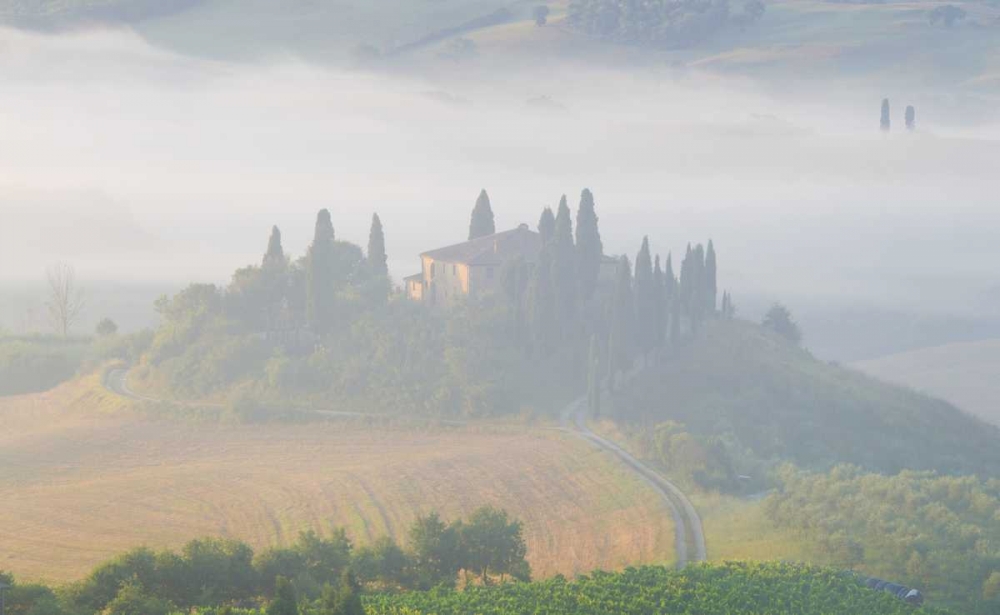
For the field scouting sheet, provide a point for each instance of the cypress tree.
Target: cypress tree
(274, 258)
(547, 225)
(911, 118)
(482, 223)
(564, 263)
(320, 271)
(660, 313)
(686, 285)
(670, 281)
(542, 304)
(645, 298)
(698, 287)
(594, 378)
(378, 261)
(620, 343)
(711, 283)
(885, 123)
(589, 247)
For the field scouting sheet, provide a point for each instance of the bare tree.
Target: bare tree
(66, 301)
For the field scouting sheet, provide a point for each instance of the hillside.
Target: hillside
(964, 374)
(889, 40)
(84, 478)
(766, 399)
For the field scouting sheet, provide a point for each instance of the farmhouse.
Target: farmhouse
(472, 268)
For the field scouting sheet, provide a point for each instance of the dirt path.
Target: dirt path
(689, 534)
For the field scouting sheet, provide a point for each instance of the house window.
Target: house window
(432, 271)
(454, 269)
(489, 273)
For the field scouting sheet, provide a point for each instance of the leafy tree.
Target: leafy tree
(284, 602)
(493, 544)
(911, 118)
(885, 123)
(321, 270)
(384, 563)
(106, 328)
(221, 570)
(377, 259)
(132, 599)
(541, 15)
(436, 550)
(779, 320)
(342, 599)
(482, 223)
(589, 247)
(948, 15)
(547, 225)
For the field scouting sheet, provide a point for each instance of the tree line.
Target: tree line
(326, 575)
(938, 533)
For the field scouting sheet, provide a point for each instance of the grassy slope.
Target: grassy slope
(83, 478)
(781, 402)
(964, 374)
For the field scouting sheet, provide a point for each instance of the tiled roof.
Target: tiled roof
(492, 249)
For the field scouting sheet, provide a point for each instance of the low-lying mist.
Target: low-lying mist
(137, 164)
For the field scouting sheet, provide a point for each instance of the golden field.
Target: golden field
(83, 477)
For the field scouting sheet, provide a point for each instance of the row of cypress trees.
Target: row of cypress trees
(561, 300)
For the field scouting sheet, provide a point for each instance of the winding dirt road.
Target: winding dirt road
(689, 536)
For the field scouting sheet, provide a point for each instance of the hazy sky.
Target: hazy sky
(135, 163)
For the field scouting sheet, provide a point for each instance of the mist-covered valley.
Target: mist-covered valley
(181, 165)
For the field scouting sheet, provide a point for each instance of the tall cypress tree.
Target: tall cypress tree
(911, 118)
(686, 285)
(274, 258)
(564, 264)
(378, 261)
(594, 378)
(542, 305)
(320, 272)
(589, 247)
(670, 282)
(482, 222)
(660, 314)
(698, 302)
(711, 283)
(547, 225)
(645, 298)
(621, 340)
(885, 123)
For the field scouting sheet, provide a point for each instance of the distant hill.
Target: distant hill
(883, 40)
(755, 390)
(965, 374)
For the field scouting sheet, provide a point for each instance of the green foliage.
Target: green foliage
(726, 589)
(436, 549)
(937, 533)
(344, 599)
(38, 363)
(547, 225)
(377, 258)
(779, 320)
(589, 247)
(284, 602)
(106, 327)
(132, 599)
(493, 545)
(770, 400)
(659, 23)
